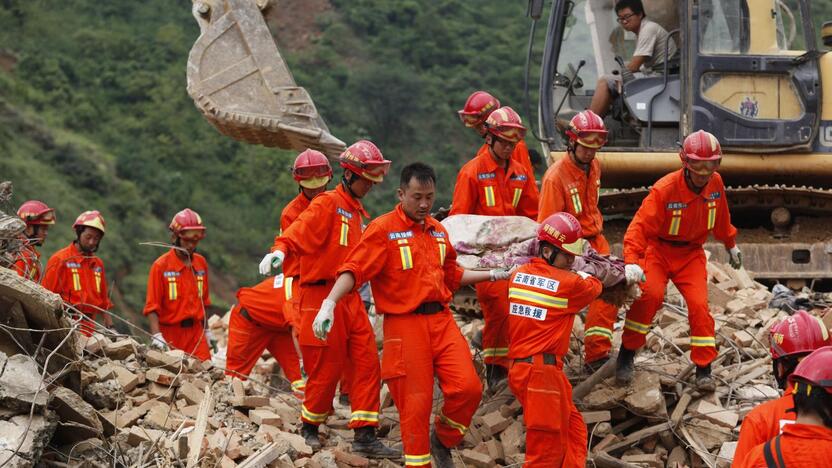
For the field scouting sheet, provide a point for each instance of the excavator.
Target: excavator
(748, 71)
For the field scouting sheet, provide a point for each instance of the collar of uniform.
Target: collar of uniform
(75, 252)
(488, 164)
(594, 166)
(430, 222)
(808, 431)
(687, 195)
(175, 261)
(351, 201)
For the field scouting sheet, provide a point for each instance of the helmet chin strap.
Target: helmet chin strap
(348, 184)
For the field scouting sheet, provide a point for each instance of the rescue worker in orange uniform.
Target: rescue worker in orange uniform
(664, 242)
(807, 442)
(321, 238)
(572, 185)
(478, 107)
(258, 323)
(493, 184)
(544, 298)
(312, 172)
(791, 339)
(38, 217)
(177, 290)
(77, 274)
(407, 256)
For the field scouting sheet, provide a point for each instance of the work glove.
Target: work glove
(271, 261)
(324, 320)
(634, 274)
(736, 257)
(209, 338)
(158, 341)
(499, 274)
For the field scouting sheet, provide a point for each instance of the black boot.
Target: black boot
(310, 436)
(494, 374)
(704, 381)
(441, 454)
(624, 365)
(366, 444)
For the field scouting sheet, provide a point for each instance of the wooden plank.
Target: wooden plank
(195, 438)
(633, 438)
(679, 411)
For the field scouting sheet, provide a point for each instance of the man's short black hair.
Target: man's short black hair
(421, 171)
(635, 5)
(818, 402)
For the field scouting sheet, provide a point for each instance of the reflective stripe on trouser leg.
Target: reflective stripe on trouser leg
(598, 330)
(362, 355)
(417, 460)
(493, 300)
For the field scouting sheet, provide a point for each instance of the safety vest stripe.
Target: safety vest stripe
(576, 200)
(76, 280)
(172, 293)
(442, 252)
(495, 352)
(97, 281)
(417, 460)
(287, 287)
(407, 257)
(675, 222)
(345, 230)
(711, 214)
(538, 298)
(199, 281)
(368, 416)
(314, 417)
(518, 192)
(636, 327)
(599, 331)
(489, 196)
(702, 341)
(459, 427)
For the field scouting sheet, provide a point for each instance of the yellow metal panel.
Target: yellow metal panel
(763, 27)
(775, 96)
(826, 85)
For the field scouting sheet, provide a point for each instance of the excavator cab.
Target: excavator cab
(747, 71)
(241, 84)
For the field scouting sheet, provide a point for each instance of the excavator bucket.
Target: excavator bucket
(242, 85)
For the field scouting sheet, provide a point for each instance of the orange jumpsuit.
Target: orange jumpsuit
(321, 238)
(521, 155)
(484, 188)
(802, 445)
(543, 302)
(28, 265)
(291, 267)
(764, 422)
(665, 238)
(178, 294)
(79, 280)
(567, 187)
(414, 273)
(258, 323)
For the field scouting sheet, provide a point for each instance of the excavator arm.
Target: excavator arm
(241, 84)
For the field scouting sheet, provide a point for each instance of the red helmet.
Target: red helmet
(701, 146)
(587, 129)
(478, 107)
(815, 369)
(365, 159)
(800, 333)
(91, 219)
(312, 169)
(563, 231)
(187, 224)
(35, 212)
(505, 124)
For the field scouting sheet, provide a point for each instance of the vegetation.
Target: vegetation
(94, 115)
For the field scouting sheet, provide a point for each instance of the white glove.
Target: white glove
(736, 257)
(209, 337)
(324, 320)
(499, 274)
(271, 261)
(158, 341)
(633, 273)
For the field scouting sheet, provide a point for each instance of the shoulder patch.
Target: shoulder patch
(676, 205)
(520, 177)
(715, 195)
(486, 175)
(343, 212)
(171, 274)
(400, 235)
(71, 264)
(438, 234)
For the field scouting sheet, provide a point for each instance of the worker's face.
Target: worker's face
(89, 239)
(562, 260)
(361, 186)
(480, 128)
(37, 233)
(417, 199)
(502, 149)
(584, 154)
(189, 244)
(311, 193)
(700, 172)
(629, 20)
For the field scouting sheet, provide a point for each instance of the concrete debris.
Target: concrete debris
(166, 408)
